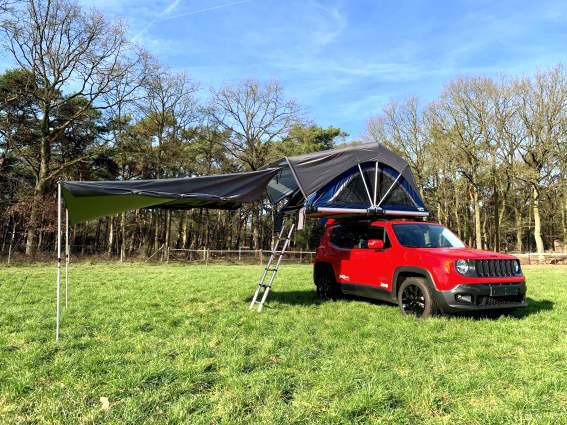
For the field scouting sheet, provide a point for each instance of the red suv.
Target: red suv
(421, 266)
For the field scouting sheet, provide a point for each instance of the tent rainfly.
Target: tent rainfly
(364, 179)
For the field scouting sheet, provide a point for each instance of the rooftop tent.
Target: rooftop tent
(371, 187)
(330, 182)
(89, 200)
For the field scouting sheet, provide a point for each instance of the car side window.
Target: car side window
(379, 233)
(342, 237)
(356, 237)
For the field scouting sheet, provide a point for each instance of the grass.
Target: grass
(176, 344)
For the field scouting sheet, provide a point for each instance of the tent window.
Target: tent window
(353, 192)
(397, 196)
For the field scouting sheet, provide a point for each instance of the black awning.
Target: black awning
(88, 200)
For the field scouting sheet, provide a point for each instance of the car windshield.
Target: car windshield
(417, 235)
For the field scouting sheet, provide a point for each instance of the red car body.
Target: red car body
(377, 269)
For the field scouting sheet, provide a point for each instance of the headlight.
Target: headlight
(517, 268)
(465, 267)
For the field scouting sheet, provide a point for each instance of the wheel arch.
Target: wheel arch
(402, 273)
(322, 267)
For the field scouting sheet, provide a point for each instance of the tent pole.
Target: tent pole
(375, 185)
(389, 190)
(58, 314)
(66, 255)
(365, 185)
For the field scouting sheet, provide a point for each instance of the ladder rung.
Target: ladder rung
(276, 251)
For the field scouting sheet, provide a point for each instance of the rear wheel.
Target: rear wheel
(326, 285)
(415, 298)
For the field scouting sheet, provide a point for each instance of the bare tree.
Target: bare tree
(401, 127)
(256, 115)
(542, 106)
(72, 54)
(463, 115)
(169, 107)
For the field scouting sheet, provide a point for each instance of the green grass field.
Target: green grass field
(177, 344)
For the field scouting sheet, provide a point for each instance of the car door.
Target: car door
(375, 264)
(345, 242)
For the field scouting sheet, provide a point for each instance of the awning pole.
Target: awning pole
(365, 185)
(57, 318)
(66, 255)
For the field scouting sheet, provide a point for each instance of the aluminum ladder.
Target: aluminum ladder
(270, 271)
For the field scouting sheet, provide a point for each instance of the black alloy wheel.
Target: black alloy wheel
(415, 298)
(413, 301)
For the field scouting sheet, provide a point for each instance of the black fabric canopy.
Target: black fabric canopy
(310, 172)
(294, 177)
(89, 200)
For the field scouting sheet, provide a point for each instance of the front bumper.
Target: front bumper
(482, 296)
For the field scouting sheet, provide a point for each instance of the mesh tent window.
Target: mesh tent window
(370, 185)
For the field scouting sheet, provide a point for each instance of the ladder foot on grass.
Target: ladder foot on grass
(270, 270)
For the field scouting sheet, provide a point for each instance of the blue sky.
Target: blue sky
(344, 60)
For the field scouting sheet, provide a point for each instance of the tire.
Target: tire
(326, 285)
(415, 298)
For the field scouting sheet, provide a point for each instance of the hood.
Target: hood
(467, 254)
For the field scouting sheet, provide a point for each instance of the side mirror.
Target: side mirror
(375, 244)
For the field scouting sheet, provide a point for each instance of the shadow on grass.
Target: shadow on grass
(307, 297)
(294, 297)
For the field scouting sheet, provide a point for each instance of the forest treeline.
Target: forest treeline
(83, 102)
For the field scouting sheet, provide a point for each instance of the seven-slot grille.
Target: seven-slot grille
(495, 268)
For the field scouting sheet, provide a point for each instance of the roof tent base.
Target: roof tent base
(321, 212)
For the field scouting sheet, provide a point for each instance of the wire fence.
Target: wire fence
(547, 258)
(234, 256)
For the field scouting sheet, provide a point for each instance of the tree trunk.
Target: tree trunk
(156, 230)
(456, 214)
(496, 246)
(255, 225)
(122, 237)
(185, 231)
(110, 236)
(477, 222)
(537, 224)
(165, 254)
(12, 241)
(565, 223)
(519, 230)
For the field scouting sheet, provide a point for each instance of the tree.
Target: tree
(462, 115)
(308, 138)
(401, 128)
(70, 54)
(18, 111)
(542, 105)
(255, 115)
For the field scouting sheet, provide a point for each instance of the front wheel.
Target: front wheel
(415, 298)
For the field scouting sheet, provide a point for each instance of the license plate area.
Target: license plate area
(504, 290)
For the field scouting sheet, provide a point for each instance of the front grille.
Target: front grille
(494, 268)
